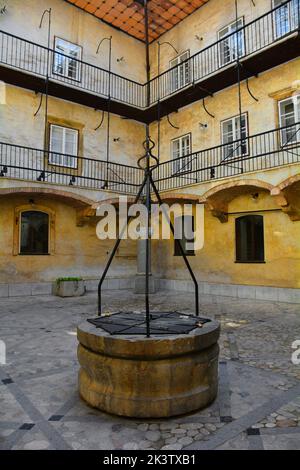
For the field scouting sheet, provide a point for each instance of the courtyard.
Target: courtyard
(258, 404)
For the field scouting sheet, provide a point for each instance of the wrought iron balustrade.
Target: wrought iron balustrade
(26, 55)
(260, 33)
(255, 153)
(257, 35)
(258, 152)
(25, 163)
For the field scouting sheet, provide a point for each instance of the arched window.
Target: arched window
(249, 232)
(34, 233)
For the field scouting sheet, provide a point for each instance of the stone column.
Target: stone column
(140, 279)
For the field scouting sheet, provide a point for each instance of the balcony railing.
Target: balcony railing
(25, 163)
(262, 32)
(255, 153)
(259, 152)
(38, 60)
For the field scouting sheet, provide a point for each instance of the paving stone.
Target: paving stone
(198, 437)
(286, 423)
(166, 426)
(210, 427)
(185, 441)
(130, 446)
(171, 440)
(189, 426)
(178, 431)
(153, 436)
(172, 447)
(145, 444)
(192, 432)
(6, 432)
(36, 445)
(153, 427)
(143, 427)
(40, 334)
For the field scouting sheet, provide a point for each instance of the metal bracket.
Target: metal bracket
(40, 105)
(206, 110)
(42, 17)
(172, 125)
(101, 122)
(250, 92)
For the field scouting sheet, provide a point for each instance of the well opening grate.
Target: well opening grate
(161, 323)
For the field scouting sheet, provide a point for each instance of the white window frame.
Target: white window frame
(291, 20)
(180, 163)
(66, 59)
(232, 42)
(64, 159)
(181, 71)
(235, 137)
(295, 130)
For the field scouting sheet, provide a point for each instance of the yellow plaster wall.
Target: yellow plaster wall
(262, 115)
(74, 25)
(19, 126)
(216, 261)
(205, 23)
(77, 252)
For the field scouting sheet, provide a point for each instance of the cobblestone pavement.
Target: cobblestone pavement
(258, 405)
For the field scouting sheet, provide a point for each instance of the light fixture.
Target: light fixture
(41, 177)
(72, 180)
(3, 171)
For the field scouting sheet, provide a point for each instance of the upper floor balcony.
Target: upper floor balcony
(19, 162)
(264, 43)
(256, 153)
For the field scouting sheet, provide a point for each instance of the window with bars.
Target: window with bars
(289, 114)
(231, 45)
(34, 233)
(249, 236)
(63, 146)
(235, 143)
(286, 18)
(180, 148)
(181, 74)
(66, 59)
(185, 226)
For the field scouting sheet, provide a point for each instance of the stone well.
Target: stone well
(154, 377)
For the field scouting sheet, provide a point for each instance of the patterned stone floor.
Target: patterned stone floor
(258, 405)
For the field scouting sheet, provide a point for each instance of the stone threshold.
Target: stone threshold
(45, 288)
(275, 294)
